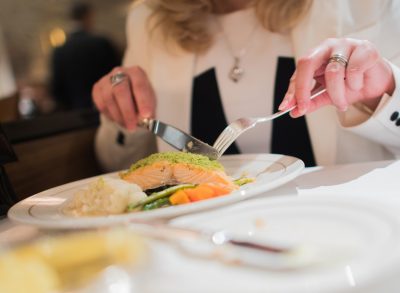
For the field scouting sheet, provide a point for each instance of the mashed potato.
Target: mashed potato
(105, 196)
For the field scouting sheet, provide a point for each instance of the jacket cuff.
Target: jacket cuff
(383, 126)
(117, 148)
(118, 134)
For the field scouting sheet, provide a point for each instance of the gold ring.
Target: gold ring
(339, 58)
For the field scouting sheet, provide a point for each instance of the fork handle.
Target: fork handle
(280, 113)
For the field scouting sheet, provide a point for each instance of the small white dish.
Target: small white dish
(354, 243)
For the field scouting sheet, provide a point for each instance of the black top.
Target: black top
(208, 117)
(289, 136)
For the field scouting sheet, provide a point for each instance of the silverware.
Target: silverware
(224, 247)
(237, 127)
(178, 138)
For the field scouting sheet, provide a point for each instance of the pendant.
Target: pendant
(236, 73)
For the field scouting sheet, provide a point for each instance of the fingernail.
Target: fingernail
(285, 102)
(283, 105)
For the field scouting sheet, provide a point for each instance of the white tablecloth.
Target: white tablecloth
(171, 271)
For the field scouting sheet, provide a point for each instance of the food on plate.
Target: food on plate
(104, 196)
(172, 168)
(182, 177)
(69, 262)
(243, 180)
(180, 194)
(160, 180)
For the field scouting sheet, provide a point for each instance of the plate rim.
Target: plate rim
(19, 211)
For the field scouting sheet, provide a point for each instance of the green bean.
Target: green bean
(157, 195)
(156, 204)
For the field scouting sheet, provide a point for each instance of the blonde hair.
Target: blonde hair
(186, 21)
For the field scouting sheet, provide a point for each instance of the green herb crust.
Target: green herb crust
(178, 157)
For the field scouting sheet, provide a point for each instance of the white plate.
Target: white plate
(356, 244)
(45, 209)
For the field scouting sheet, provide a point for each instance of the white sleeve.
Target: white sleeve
(383, 126)
(137, 36)
(116, 148)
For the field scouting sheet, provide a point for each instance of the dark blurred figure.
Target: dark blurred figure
(80, 62)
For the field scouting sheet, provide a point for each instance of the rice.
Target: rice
(104, 196)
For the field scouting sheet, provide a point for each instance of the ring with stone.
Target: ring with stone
(117, 78)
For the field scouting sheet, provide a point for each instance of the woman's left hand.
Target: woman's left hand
(365, 79)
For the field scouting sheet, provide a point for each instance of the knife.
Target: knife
(178, 138)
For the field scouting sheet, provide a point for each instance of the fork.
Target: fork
(237, 127)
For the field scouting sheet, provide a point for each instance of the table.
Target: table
(170, 271)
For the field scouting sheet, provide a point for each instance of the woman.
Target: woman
(211, 62)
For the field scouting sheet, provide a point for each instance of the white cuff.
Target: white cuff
(117, 148)
(383, 126)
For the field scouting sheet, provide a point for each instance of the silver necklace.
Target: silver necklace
(236, 72)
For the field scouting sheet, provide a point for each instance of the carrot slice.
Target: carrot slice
(219, 189)
(179, 197)
(200, 192)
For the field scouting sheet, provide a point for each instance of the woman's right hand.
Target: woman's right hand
(127, 101)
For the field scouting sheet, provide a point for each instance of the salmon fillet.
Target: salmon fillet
(176, 168)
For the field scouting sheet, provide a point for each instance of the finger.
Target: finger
(289, 100)
(335, 73)
(306, 68)
(124, 99)
(108, 99)
(143, 92)
(363, 57)
(97, 97)
(113, 111)
(314, 104)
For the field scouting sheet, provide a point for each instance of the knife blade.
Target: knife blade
(178, 138)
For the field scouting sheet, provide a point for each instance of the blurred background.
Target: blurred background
(51, 52)
(32, 30)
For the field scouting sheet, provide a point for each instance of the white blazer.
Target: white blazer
(353, 136)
